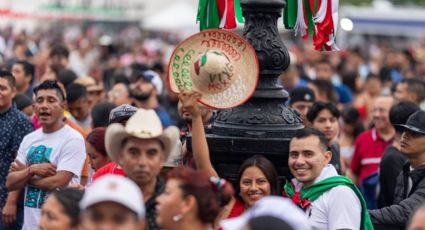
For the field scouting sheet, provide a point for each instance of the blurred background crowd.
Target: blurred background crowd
(110, 53)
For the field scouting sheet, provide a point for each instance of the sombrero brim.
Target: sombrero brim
(241, 54)
(116, 134)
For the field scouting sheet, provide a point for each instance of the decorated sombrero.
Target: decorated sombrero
(217, 63)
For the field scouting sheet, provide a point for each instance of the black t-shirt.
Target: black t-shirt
(390, 167)
(335, 160)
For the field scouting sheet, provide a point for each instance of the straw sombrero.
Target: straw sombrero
(217, 63)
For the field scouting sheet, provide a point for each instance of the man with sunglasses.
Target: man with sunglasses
(49, 158)
(410, 188)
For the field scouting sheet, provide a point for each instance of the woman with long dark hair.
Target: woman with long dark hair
(191, 200)
(257, 176)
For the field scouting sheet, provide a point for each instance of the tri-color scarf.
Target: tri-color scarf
(309, 194)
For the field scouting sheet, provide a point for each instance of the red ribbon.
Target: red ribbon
(296, 198)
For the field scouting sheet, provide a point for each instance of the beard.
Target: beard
(142, 96)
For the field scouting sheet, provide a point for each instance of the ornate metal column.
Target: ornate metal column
(263, 125)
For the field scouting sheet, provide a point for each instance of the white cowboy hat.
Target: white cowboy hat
(219, 64)
(144, 124)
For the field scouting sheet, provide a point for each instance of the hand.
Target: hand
(76, 186)
(9, 214)
(190, 103)
(16, 166)
(43, 169)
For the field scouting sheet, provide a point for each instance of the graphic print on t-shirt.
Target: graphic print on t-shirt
(35, 197)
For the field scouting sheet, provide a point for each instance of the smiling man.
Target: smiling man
(49, 158)
(330, 201)
(142, 147)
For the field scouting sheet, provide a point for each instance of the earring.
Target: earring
(177, 218)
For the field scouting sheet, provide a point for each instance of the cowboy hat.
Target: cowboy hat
(219, 64)
(144, 124)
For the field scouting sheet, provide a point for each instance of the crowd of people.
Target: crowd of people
(93, 138)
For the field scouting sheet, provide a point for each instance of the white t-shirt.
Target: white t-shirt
(64, 148)
(338, 208)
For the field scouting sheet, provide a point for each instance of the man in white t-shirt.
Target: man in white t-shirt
(330, 201)
(48, 158)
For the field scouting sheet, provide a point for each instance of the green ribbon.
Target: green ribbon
(208, 16)
(309, 17)
(238, 11)
(315, 190)
(290, 14)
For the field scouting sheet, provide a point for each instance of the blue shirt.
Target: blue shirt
(14, 125)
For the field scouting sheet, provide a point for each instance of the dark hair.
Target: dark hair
(29, 68)
(307, 132)
(351, 116)
(372, 76)
(400, 112)
(266, 167)
(56, 68)
(50, 84)
(59, 50)
(22, 101)
(318, 106)
(269, 223)
(69, 199)
(120, 78)
(349, 79)
(417, 87)
(100, 114)
(97, 139)
(75, 91)
(326, 87)
(9, 77)
(211, 193)
(66, 77)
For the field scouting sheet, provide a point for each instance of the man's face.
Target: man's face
(142, 159)
(412, 144)
(307, 159)
(302, 107)
(21, 79)
(119, 95)
(380, 112)
(142, 89)
(6, 94)
(80, 108)
(59, 60)
(48, 107)
(327, 124)
(401, 93)
(324, 71)
(110, 215)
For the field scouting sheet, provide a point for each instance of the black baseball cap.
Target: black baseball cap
(121, 113)
(302, 94)
(415, 123)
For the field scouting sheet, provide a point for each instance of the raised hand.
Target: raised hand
(190, 102)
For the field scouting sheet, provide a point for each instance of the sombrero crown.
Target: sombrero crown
(217, 63)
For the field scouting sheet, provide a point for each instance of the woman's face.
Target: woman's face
(97, 160)
(169, 203)
(253, 185)
(53, 216)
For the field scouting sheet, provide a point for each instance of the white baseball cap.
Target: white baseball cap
(275, 206)
(117, 189)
